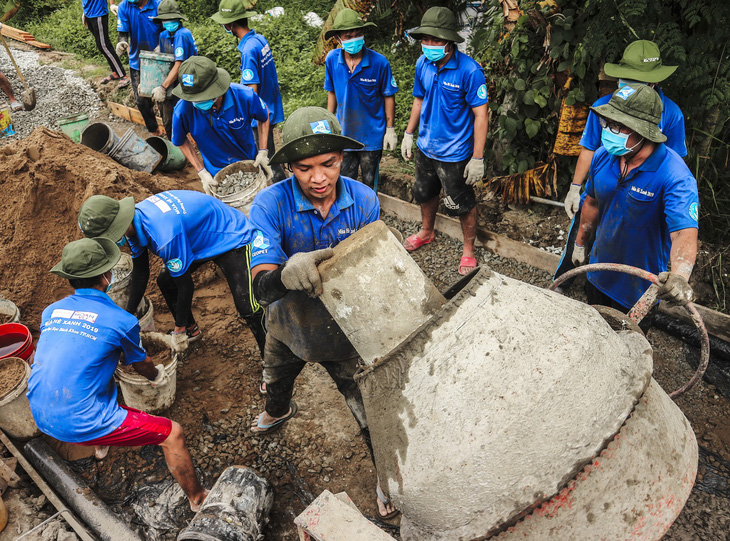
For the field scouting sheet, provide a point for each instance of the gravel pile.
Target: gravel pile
(59, 93)
(236, 182)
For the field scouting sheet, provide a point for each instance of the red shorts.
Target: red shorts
(139, 428)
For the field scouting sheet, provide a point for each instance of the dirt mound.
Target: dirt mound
(44, 179)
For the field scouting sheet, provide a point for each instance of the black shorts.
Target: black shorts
(433, 175)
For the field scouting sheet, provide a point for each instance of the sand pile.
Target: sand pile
(44, 179)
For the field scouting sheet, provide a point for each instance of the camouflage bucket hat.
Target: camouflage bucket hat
(438, 22)
(168, 10)
(641, 61)
(230, 11)
(637, 107)
(346, 19)
(201, 80)
(87, 258)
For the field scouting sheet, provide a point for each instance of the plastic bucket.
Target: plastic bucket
(100, 137)
(16, 418)
(121, 278)
(9, 313)
(6, 124)
(73, 125)
(146, 315)
(153, 70)
(15, 341)
(241, 200)
(133, 152)
(172, 157)
(139, 394)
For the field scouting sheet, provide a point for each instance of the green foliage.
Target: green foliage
(37, 9)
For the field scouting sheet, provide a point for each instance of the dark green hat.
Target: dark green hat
(102, 216)
(310, 131)
(168, 10)
(87, 258)
(346, 19)
(439, 23)
(637, 107)
(201, 80)
(230, 11)
(642, 62)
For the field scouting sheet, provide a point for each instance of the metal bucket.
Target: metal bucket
(153, 70)
(100, 137)
(133, 152)
(172, 157)
(73, 125)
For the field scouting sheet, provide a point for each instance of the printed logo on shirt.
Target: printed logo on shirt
(364, 80)
(247, 74)
(482, 92)
(451, 85)
(321, 126)
(188, 79)
(392, 82)
(694, 211)
(159, 203)
(260, 241)
(642, 192)
(174, 265)
(179, 51)
(625, 92)
(72, 314)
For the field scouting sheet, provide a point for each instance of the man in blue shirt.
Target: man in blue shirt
(450, 104)
(179, 42)
(258, 70)
(71, 389)
(217, 114)
(185, 229)
(300, 219)
(138, 32)
(361, 91)
(96, 19)
(641, 203)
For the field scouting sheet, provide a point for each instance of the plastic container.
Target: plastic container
(16, 418)
(73, 125)
(172, 157)
(139, 394)
(9, 313)
(100, 137)
(16, 341)
(133, 152)
(6, 124)
(121, 279)
(241, 200)
(153, 70)
(146, 315)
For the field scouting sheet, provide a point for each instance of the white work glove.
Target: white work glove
(300, 272)
(674, 289)
(390, 139)
(161, 378)
(159, 93)
(474, 171)
(572, 200)
(114, 9)
(579, 255)
(406, 146)
(262, 160)
(121, 48)
(208, 182)
(179, 342)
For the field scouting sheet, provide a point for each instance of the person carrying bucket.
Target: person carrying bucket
(185, 229)
(300, 219)
(71, 389)
(178, 41)
(215, 112)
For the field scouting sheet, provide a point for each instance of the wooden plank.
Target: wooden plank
(717, 323)
(7, 471)
(22, 36)
(129, 113)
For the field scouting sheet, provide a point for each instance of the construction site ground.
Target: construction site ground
(45, 178)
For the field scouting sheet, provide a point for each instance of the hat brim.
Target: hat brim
(333, 31)
(644, 128)
(169, 17)
(656, 75)
(313, 145)
(113, 255)
(121, 221)
(440, 33)
(215, 90)
(228, 19)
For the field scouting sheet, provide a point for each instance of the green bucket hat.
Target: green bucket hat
(102, 216)
(637, 107)
(310, 131)
(641, 61)
(201, 80)
(168, 10)
(438, 22)
(87, 258)
(230, 11)
(346, 19)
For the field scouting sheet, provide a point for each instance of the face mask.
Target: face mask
(171, 26)
(204, 106)
(434, 53)
(121, 242)
(623, 82)
(132, 1)
(230, 32)
(615, 143)
(354, 45)
(109, 283)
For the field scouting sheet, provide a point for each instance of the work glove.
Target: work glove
(474, 171)
(262, 160)
(390, 139)
(208, 182)
(579, 255)
(159, 93)
(406, 146)
(572, 200)
(300, 272)
(121, 48)
(114, 9)
(161, 378)
(674, 289)
(179, 342)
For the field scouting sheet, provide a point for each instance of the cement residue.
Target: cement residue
(12, 371)
(236, 182)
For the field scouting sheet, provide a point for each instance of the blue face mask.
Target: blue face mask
(434, 53)
(109, 283)
(132, 1)
(623, 82)
(615, 143)
(354, 45)
(204, 106)
(230, 32)
(121, 242)
(171, 26)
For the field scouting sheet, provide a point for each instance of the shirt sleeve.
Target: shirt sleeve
(476, 88)
(418, 90)
(681, 204)
(183, 47)
(267, 243)
(258, 108)
(674, 130)
(329, 84)
(590, 189)
(250, 66)
(591, 138)
(388, 86)
(122, 18)
(131, 345)
(177, 255)
(179, 125)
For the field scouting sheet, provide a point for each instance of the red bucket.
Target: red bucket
(15, 341)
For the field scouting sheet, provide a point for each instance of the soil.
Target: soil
(162, 357)
(12, 371)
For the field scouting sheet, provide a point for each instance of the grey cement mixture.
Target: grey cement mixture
(236, 182)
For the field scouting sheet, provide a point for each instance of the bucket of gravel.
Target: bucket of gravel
(238, 184)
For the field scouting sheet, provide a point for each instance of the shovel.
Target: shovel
(28, 95)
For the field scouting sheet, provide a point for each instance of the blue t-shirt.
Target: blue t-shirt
(181, 227)
(144, 33)
(360, 103)
(446, 128)
(258, 68)
(223, 137)
(181, 44)
(636, 217)
(94, 8)
(671, 124)
(71, 388)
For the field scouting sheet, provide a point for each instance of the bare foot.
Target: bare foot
(386, 509)
(101, 451)
(195, 507)
(271, 423)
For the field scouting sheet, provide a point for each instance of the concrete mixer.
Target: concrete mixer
(502, 410)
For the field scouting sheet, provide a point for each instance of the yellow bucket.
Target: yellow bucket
(6, 125)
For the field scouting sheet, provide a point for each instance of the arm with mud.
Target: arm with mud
(267, 285)
(140, 277)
